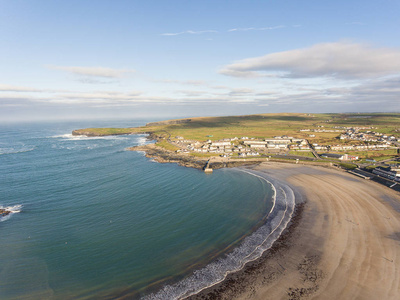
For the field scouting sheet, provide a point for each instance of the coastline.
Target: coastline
(342, 243)
(162, 155)
(250, 249)
(320, 255)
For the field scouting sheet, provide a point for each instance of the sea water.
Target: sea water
(92, 220)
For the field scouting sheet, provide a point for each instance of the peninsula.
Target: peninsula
(362, 142)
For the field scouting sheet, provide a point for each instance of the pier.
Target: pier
(207, 168)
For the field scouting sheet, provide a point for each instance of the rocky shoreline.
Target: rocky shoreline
(162, 155)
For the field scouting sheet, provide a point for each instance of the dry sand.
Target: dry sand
(345, 243)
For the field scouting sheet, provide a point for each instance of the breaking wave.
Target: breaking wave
(249, 250)
(15, 150)
(70, 137)
(12, 209)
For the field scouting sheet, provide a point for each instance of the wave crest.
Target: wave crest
(13, 150)
(70, 137)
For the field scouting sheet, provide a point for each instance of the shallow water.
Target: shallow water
(96, 220)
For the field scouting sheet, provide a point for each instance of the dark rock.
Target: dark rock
(4, 212)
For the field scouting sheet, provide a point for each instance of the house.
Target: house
(219, 144)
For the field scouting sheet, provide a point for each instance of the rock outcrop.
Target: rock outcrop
(164, 156)
(4, 212)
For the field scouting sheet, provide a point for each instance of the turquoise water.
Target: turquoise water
(93, 220)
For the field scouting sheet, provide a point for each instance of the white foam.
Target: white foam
(13, 150)
(12, 209)
(142, 141)
(71, 137)
(249, 250)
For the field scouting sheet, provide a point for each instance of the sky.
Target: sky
(170, 59)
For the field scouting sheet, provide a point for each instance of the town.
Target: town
(350, 140)
(248, 146)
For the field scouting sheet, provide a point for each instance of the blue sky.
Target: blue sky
(167, 59)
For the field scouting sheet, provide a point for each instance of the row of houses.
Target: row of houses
(387, 173)
(359, 147)
(276, 143)
(368, 136)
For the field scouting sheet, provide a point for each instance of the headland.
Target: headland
(365, 142)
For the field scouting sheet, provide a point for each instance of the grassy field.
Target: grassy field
(265, 126)
(164, 144)
(270, 125)
(376, 154)
(301, 153)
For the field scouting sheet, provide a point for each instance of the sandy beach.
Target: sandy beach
(344, 242)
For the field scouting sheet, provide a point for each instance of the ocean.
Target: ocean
(92, 220)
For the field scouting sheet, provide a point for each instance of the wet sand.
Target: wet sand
(343, 243)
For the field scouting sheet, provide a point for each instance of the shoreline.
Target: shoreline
(162, 155)
(309, 273)
(250, 249)
(233, 280)
(342, 243)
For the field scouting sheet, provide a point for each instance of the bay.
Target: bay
(97, 220)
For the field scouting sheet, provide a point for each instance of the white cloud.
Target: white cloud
(93, 71)
(184, 82)
(240, 92)
(189, 93)
(343, 60)
(256, 28)
(189, 32)
(13, 88)
(103, 96)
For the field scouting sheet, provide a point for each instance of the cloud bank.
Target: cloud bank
(93, 71)
(13, 88)
(342, 60)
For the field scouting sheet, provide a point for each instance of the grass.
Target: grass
(164, 144)
(267, 126)
(301, 153)
(348, 166)
(372, 154)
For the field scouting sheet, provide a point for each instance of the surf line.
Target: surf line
(234, 261)
(244, 261)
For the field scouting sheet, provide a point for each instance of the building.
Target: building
(387, 173)
(220, 144)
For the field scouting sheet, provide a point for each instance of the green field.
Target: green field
(270, 125)
(265, 126)
(302, 153)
